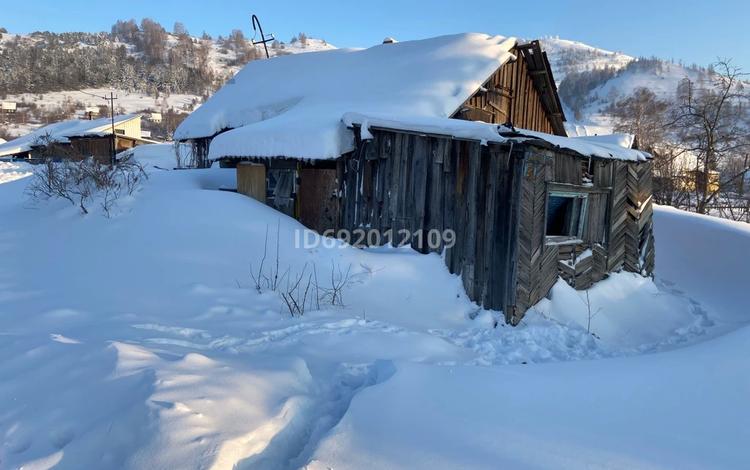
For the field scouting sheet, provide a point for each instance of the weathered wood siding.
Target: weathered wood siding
(617, 228)
(537, 262)
(495, 200)
(317, 198)
(251, 180)
(511, 95)
(400, 181)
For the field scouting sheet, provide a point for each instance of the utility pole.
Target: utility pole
(112, 99)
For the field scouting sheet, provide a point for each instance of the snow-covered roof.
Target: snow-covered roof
(616, 146)
(457, 128)
(60, 132)
(293, 105)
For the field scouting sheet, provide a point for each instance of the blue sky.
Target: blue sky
(682, 30)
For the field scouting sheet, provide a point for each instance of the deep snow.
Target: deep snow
(140, 342)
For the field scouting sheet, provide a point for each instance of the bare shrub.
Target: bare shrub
(303, 290)
(338, 281)
(298, 294)
(84, 181)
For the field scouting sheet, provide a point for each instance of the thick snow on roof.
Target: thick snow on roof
(292, 105)
(61, 131)
(605, 146)
(619, 139)
(458, 128)
(616, 146)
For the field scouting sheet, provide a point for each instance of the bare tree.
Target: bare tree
(709, 124)
(642, 114)
(301, 290)
(646, 116)
(179, 29)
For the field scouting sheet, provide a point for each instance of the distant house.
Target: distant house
(459, 133)
(154, 117)
(77, 137)
(7, 107)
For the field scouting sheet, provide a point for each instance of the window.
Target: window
(120, 131)
(566, 214)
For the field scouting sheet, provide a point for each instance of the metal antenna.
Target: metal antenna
(263, 38)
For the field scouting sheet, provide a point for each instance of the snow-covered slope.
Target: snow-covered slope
(660, 77)
(222, 61)
(140, 341)
(620, 75)
(567, 56)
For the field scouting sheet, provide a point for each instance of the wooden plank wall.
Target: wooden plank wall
(537, 262)
(415, 182)
(510, 96)
(251, 180)
(494, 198)
(639, 237)
(316, 198)
(630, 237)
(618, 230)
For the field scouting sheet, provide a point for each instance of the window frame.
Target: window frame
(583, 196)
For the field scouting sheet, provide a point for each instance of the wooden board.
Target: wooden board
(317, 198)
(251, 180)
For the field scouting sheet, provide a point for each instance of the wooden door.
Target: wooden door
(317, 198)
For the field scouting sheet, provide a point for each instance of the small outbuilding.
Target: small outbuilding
(458, 135)
(8, 107)
(77, 138)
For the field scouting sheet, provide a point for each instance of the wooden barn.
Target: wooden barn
(525, 207)
(78, 138)
(462, 133)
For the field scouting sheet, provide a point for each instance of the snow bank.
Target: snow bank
(11, 171)
(299, 99)
(163, 156)
(707, 258)
(139, 341)
(653, 411)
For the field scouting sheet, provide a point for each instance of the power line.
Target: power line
(92, 94)
(111, 98)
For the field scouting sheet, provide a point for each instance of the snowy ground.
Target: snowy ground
(140, 342)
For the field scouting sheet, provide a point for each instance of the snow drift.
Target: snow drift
(141, 342)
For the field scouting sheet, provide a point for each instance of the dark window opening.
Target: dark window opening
(565, 214)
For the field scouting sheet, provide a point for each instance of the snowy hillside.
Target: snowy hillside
(137, 90)
(615, 75)
(567, 56)
(660, 77)
(140, 341)
(618, 75)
